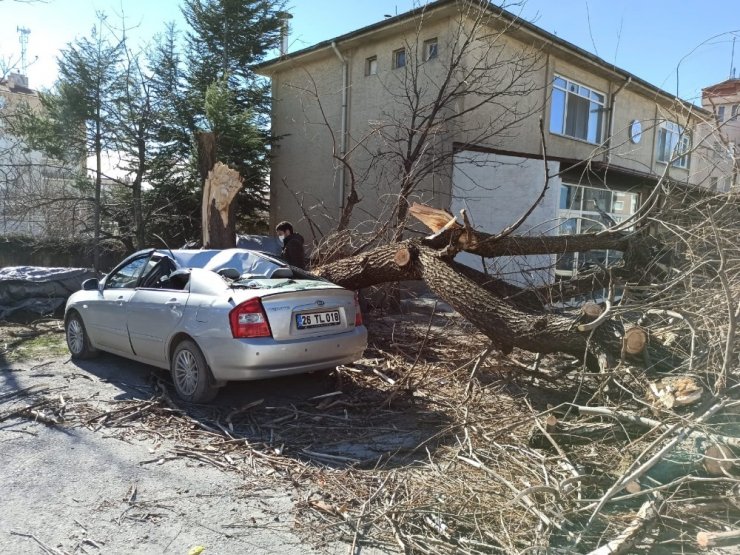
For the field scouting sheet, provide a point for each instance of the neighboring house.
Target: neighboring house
(630, 132)
(723, 99)
(37, 196)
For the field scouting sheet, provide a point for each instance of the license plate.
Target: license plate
(317, 319)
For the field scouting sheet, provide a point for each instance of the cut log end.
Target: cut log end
(551, 423)
(402, 257)
(633, 487)
(715, 539)
(635, 340)
(718, 460)
(591, 311)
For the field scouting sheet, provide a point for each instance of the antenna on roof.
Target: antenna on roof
(23, 33)
(732, 59)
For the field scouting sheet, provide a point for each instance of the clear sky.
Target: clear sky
(650, 38)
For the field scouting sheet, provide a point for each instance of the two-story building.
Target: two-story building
(366, 97)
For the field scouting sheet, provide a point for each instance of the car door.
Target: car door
(154, 311)
(108, 315)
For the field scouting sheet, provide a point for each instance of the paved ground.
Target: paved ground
(74, 490)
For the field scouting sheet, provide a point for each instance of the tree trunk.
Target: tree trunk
(136, 194)
(477, 297)
(98, 193)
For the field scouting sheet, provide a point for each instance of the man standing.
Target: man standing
(292, 245)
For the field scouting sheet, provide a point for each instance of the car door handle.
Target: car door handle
(173, 304)
(120, 300)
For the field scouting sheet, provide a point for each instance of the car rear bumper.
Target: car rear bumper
(258, 358)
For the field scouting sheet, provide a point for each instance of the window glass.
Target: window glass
(570, 197)
(579, 214)
(371, 66)
(721, 114)
(673, 145)
(430, 49)
(597, 199)
(127, 276)
(557, 111)
(399, 58)
(576, 111)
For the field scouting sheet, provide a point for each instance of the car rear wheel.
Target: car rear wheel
(78, 341)
(190, 373)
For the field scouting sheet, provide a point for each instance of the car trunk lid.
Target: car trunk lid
(301, 310)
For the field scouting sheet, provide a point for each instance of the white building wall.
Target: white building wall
(496, 190)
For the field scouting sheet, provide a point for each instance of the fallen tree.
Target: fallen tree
(509, 315)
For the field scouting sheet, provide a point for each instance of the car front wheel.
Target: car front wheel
(78, 341)
(190, 373)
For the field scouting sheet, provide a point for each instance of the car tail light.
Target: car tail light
(358, 311)
(249, 320)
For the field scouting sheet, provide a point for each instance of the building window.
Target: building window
(713, 184)
(371, 66)
(720, 114)
(576, 111)
(586, 210)
(399, 58)
(673, 145)
(430, 49)
(734, 111)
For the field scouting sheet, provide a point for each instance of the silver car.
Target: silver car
(212, 316)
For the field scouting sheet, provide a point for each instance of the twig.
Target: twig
(43, 546)
(639, 526)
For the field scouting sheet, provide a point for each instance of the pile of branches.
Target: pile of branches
(517, 424)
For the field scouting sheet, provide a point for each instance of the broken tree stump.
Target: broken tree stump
(219, 221)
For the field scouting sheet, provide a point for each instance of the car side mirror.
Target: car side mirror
(91, 284)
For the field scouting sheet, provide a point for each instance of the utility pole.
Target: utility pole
(23, 33)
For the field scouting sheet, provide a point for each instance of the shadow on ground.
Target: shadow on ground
(330, 417)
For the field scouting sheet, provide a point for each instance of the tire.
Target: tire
(190, 373)
(78, 342)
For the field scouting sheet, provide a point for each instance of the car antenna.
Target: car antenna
(172, 255)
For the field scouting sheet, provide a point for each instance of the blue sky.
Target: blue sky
(650, 38)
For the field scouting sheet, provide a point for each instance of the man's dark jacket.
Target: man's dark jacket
(293, 250)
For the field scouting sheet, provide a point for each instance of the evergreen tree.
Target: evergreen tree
(76, 117)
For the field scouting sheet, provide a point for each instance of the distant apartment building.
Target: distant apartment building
(37, 195)
(610, 136)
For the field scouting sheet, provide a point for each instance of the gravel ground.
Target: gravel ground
(68, 489)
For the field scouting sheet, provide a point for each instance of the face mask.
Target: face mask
(281, 238)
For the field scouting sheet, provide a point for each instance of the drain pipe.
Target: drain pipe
(610, 123)
(343, 132)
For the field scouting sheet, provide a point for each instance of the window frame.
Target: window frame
(720, 114)
(368, 66)
(427, 44)
(734, 112)
(567, 89)
(677, 158)
(396, 54)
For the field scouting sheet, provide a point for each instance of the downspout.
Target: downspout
(610, 129)
(343, 132)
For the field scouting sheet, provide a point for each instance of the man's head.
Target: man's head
(284, 229)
